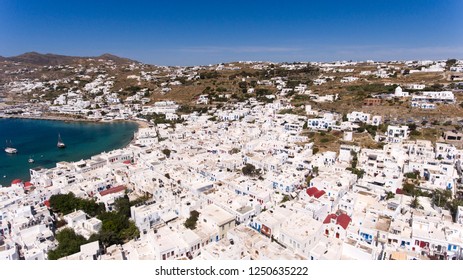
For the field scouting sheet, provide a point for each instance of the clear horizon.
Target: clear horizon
(209, 32)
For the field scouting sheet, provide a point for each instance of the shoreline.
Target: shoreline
(140, 123)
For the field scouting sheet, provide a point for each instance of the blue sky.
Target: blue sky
(203, 32)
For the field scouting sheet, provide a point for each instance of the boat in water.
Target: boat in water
(31, 160)
(9, 149)
(60, 144)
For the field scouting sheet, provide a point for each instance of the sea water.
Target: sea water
(37, 139)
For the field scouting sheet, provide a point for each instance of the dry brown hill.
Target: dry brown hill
(35, 58)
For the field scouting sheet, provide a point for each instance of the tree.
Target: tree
(67, 203)
(304, 126)
(354, 159)
(308, 179)
(408, 189)
(358, 172)
(453, 207)
(122, 206)
(415, 203)
(389, 195)
(63, 203)
(249, 170)
(412, 126)
(166, 152)
(344, 118)
(130, 232)
(191, 221)
(441, 198)
(68, 243)
(411, 175)
(450, 62)
(234, 151)
(315, 170)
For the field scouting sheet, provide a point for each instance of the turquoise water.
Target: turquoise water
(37, 139)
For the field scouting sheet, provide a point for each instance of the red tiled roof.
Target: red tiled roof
(112, 190)
(319, 194)
(28, 184)
(329, 217)
(47, 203)
(311, 191)
(399, 191)
(127, 161)
(16, 181)
(343, 220)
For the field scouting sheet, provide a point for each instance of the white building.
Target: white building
(435, 97)
(396, 134)
(415, 86)
(399, 93)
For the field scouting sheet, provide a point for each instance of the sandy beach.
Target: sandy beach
(140, 123)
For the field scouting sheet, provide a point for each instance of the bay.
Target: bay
(37, 139)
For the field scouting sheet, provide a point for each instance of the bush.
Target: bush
(285, 198)
(263, 91)
(415, 133)
(411, 175)
(324, 140)
(412, 126)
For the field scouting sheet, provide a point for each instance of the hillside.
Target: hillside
(34, 58)
(110, 80)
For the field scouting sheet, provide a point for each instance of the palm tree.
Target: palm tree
(415, 203)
